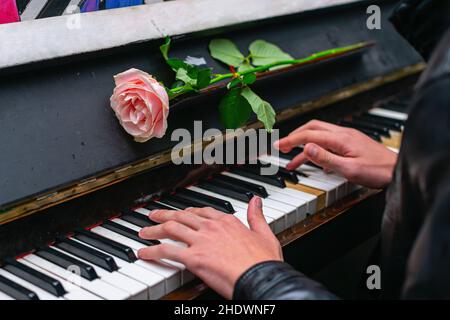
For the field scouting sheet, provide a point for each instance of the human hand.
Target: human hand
(346, 151)
(219, 249)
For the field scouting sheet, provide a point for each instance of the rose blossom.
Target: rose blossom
(141, 104)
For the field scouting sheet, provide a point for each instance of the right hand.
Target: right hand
(343, 150)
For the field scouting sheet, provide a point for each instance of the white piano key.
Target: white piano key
(172, 274)
(154, 281)
(240, 215)
(4, 296)
(393, 149)
(42, 294)
(279, 220)
(33, 9)
(74, 292)
(137, 290)
(331, 191)
(97, 286)
(286, 199)
(318, 174)
(388, 113)
(331, 179)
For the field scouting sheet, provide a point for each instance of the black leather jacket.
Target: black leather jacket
(416, 225)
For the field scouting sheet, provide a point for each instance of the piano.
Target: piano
(75, 189)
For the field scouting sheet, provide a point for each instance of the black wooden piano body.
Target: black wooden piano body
(67, 164)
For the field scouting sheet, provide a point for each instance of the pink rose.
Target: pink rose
(141, 104)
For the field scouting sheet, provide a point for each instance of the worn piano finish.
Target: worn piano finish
(59, 139)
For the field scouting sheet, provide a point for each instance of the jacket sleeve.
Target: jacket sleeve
(274, 280)
(428, 156)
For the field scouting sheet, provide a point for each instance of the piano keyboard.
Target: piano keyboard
(101, 262)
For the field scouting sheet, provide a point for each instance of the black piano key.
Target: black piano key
(65, 262)
(112, 247)
(375, 125)
(373, 116)
(176, 202)
(224, 189)
(127, 232)
(53, 8)
(35, 277)
(21, 5)
(394, 126)
(87, 253)
(202, 200)
(291, 154)
(16, 291)
(249, 186)
(254, 172)
(374, 135)
(137, 219)
(396, 106)
(157, 206)
(382, 131)
(287, 175)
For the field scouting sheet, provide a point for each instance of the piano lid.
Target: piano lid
(57, 129)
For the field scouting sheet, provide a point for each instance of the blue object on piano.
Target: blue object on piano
(90, 5)
(111, 4)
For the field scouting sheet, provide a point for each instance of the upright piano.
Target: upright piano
(75, 189)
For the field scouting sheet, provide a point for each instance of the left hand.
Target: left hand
(219, 249)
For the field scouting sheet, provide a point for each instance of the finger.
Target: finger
(325, 139)
(163, 251)
(317, 125)
(255, 217)
(169, 230)
(184, 217)
(208, 213)
(327, 170)
(326, 159)
(297, 161)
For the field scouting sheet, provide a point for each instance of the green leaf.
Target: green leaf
(263, 109)
(226, 51)
(245, 66)
(263, 52)
(165, 48)
(234, 109)
(177, 64)
(182, 74)
(197, 78)
(249, 78)
(203, 78)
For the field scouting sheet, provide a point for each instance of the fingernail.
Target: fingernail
(152, 212)
(312, 151)
(189, 208)
(276, 144)
(258, 202)
(141, 232)
(289, 166)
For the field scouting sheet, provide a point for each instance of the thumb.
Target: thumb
(327, 160)
(255, 217)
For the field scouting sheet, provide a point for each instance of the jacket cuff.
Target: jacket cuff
(274, 280)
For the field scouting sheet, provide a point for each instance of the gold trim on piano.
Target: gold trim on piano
(54, 197)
